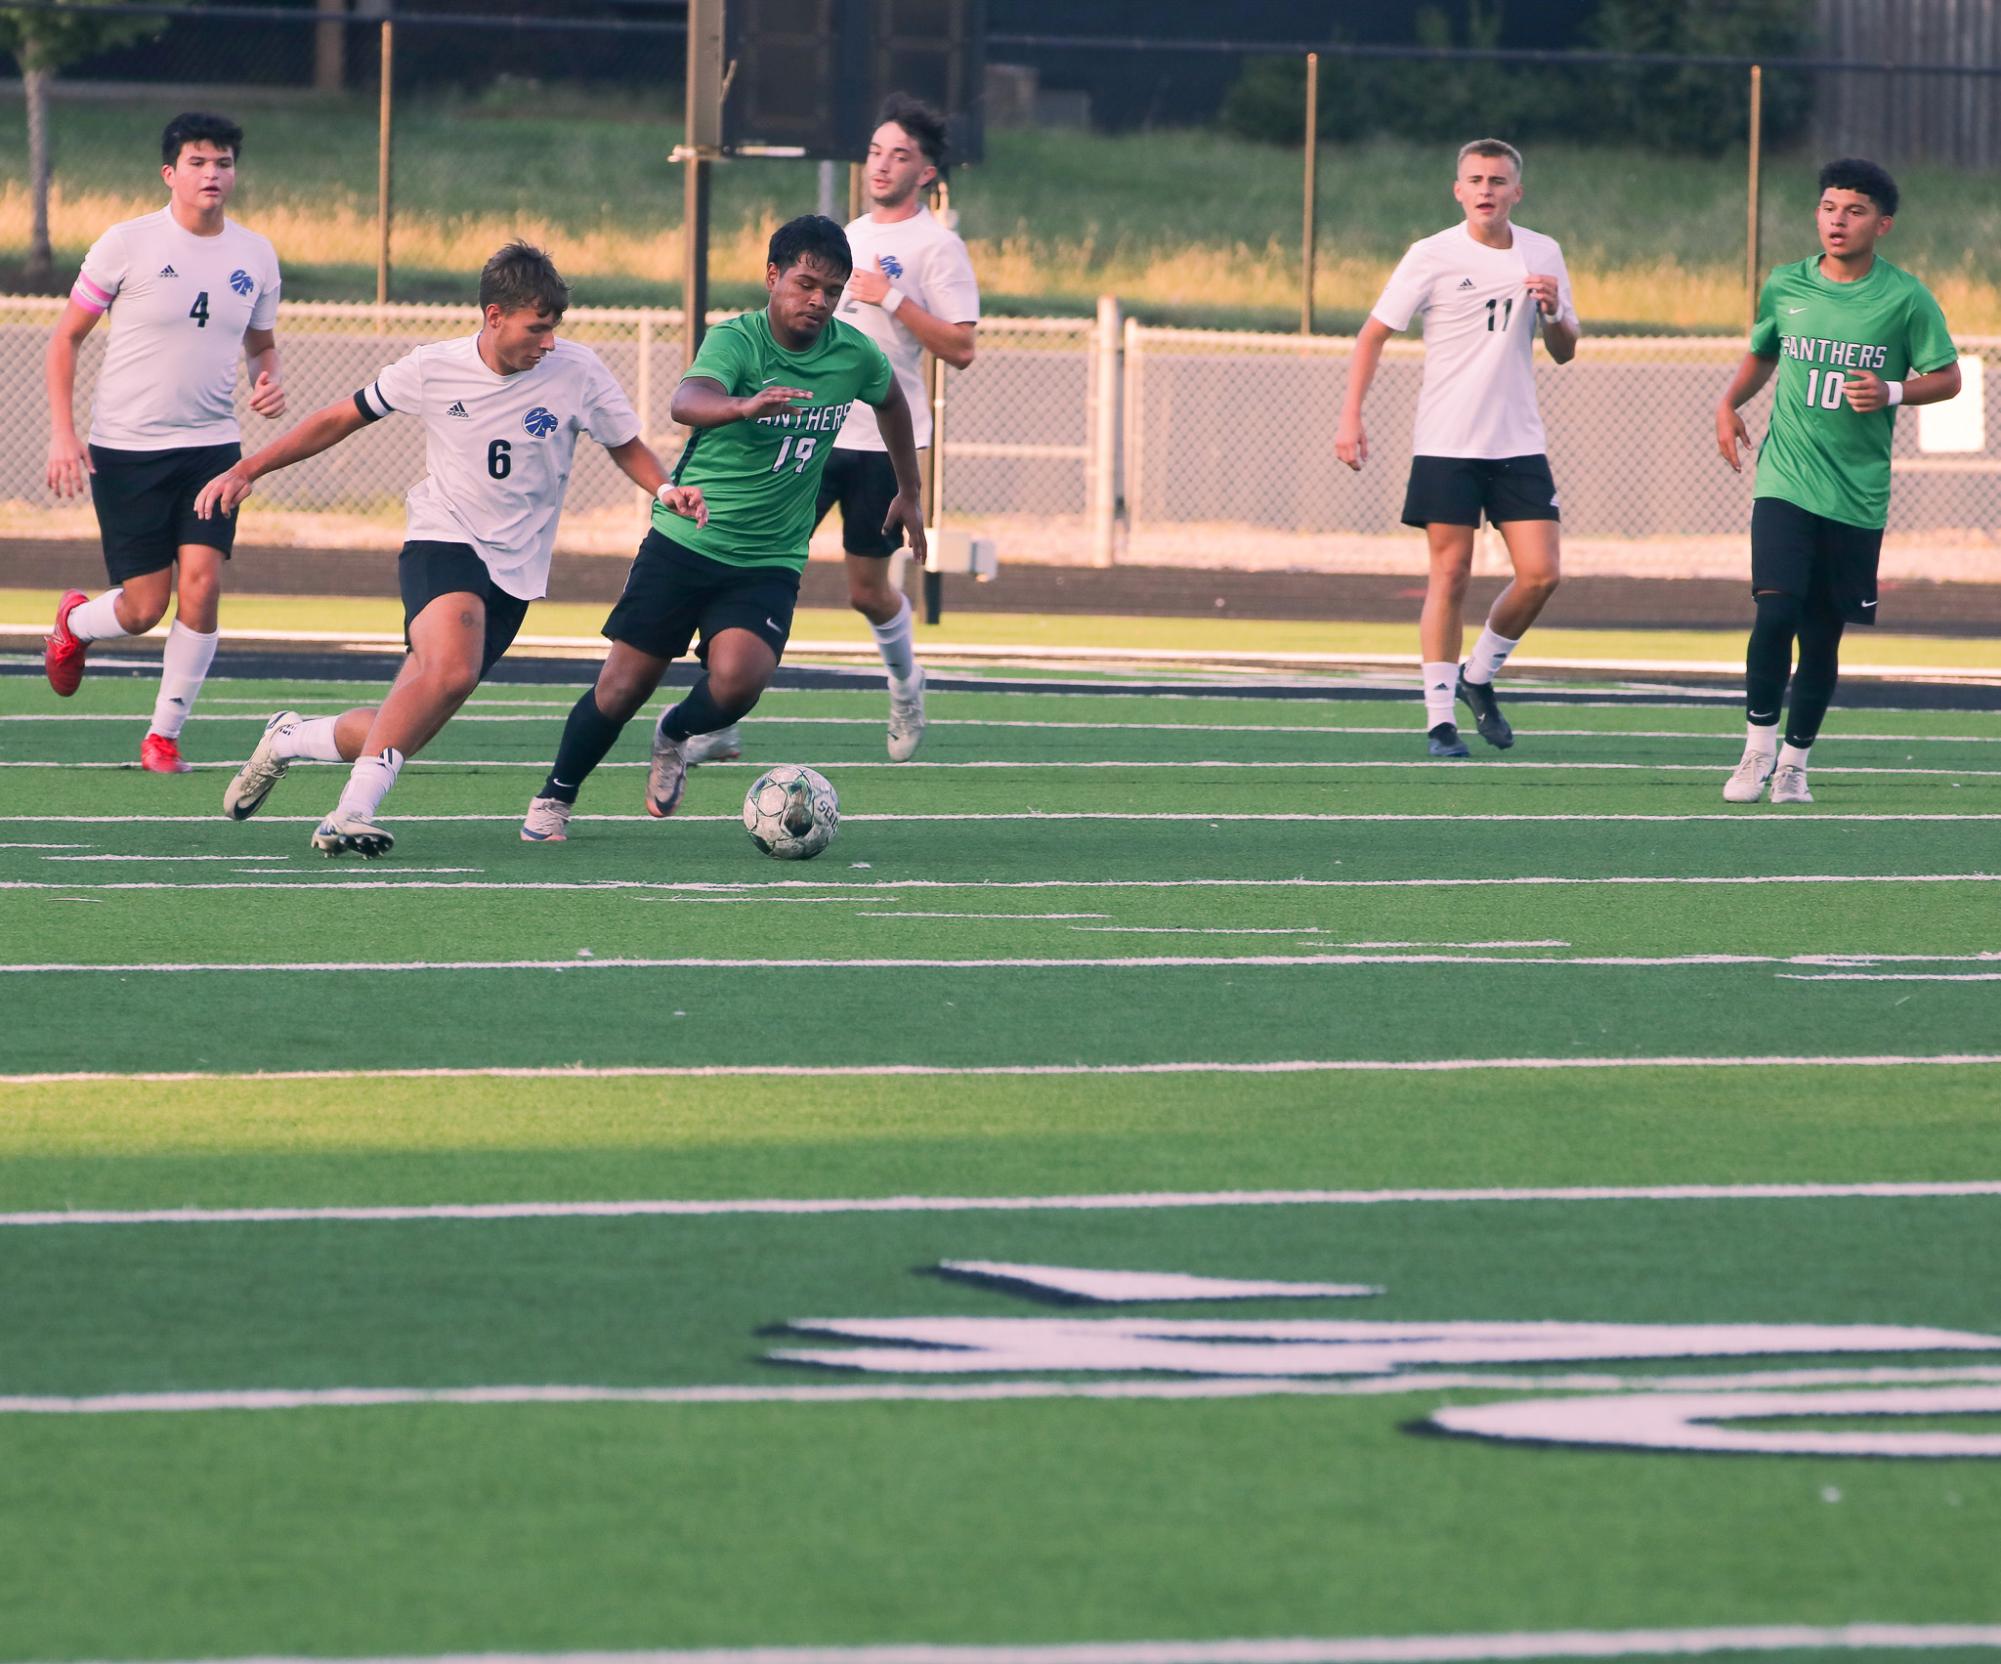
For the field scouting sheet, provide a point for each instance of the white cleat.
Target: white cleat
(350, 834)
(1789, 785)
(1747, 780)
(254, 780)
(548, 821)
(725, 745)
(906, 720)
(667, 778)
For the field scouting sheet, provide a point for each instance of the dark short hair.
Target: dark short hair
(1852, 173)
(921, 121)
(198, 127)
(811, 237)
(522, 276)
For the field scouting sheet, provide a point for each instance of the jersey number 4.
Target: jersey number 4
(199, 311)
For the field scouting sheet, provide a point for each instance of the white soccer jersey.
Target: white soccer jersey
(930, 265)
(179, 307)
(497, 449)
(1478, 397)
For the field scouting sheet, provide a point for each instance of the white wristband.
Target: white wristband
(666, 490)
(1895, 391)
(891, 301)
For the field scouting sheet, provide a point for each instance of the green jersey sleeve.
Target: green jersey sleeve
(1765, 327)
(1930, 342)
(880, 377)
(728, 357)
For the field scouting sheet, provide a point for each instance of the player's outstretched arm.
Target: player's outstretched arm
(318, 432)
(701, 403)
(892, 416)
(637, 461)
(267, 387)
(1351, 440)
(1751, 375)
(70, 466)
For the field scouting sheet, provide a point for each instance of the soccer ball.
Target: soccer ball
(791, 812)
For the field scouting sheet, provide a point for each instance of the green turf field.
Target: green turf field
(640, 1245)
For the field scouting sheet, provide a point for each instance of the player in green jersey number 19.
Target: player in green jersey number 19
(765, 398)
(1852, 337)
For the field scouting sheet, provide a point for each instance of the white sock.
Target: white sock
(309, 740)
(1441, 681)
(1490, 652)
(97, 620)
(1793, 756)
(183, 666)
(368, 785)
(1762, 739)
(892, 641)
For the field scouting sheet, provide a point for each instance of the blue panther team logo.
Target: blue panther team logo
(241, 281)
(890, 264)
(540, 422)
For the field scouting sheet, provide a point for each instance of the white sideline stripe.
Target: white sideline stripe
(240, 1399)
(1741, 818)
(1134, 962)
(870, 1071)
(849, 766)
(1848, 976)
(883, 885)
(1384, 1649)
(1105, 1202)
(1405, 730)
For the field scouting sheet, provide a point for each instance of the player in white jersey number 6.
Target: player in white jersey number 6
(1483, 287)
(501, 412)
(187, 290)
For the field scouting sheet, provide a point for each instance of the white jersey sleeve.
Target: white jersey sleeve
(103, 273)
(1408, 291)
(951, 291)
(607, 414)
(400, 386)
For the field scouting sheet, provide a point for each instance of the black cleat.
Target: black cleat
(1479, 698)
(1445, 742)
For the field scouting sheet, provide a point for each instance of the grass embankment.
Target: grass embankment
(1185, 226)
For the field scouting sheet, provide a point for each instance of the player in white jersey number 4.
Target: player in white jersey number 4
(502, 411)
(912, 292)
(1483, 287)
(187, 290)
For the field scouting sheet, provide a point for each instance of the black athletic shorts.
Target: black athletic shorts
(864, 484)
(145, 504)
(427, 570)
(1452, 490)
(1828, 564)
(672, 592)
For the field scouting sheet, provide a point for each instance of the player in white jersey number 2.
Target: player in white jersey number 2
(1483, 287)
(501, 411)
(187, 290)
(912, 292)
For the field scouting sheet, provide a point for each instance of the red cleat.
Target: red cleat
(160, 755)
(62, 653)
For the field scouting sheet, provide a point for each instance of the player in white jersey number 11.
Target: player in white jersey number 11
(1484, 287)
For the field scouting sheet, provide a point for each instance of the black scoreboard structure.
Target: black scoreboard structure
(806, 77)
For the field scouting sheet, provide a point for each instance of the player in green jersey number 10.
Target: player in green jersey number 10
(1851, 337)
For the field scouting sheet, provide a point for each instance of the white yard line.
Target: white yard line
(849, 766)
(1385, 1649)
(157, 858)
(1856, 976)
(1742, 817)
(776, 886)
(1110, 1201)
(1137, 962)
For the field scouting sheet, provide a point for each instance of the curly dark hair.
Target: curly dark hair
(1852, 173)
(811, 237)
(921, 121)
(198, 127)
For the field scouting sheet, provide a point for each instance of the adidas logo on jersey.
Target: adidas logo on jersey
(457, 408)
(1465, 283)
(168, 271)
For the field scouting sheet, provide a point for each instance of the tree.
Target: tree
(1689, 108)
(44, 41)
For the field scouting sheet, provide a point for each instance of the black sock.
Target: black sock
(1813, 682)
(587, 736)
(1768, 659)
(702, 713)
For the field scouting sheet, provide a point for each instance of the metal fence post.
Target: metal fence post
(382, 165)
(1131, 427)
(642, 388)
(1104, 488)
(1753, 279)
(1309, 233)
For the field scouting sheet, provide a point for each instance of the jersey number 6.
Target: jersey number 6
(500, 459)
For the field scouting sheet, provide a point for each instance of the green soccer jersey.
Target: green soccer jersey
(1818, 453)
(760, 479)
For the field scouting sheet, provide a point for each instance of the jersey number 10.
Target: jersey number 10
(1824, 388)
